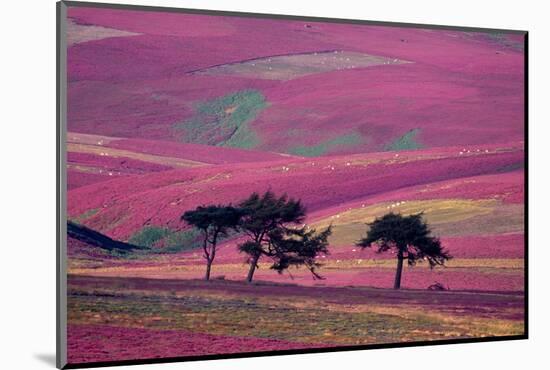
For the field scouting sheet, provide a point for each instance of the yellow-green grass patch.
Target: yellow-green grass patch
(79, 33)
(447, 217)
(287, 67)
(165, 269)
(121, 153)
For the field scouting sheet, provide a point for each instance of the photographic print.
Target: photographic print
(241, 185)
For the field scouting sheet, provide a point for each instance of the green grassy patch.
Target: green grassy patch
(512, 167)
(84, 216)
(501, 39)
(159, 240)
(406, 142)
(322, 148)
(181, 240)
(148, 236)
(162, 240)
(224, 121)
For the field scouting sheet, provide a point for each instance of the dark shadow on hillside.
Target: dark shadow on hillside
(92, 237)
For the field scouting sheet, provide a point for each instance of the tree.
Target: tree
(410, 238)
(300, 248)
(271, 225)
(214, 221)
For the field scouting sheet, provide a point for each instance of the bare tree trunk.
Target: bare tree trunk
(206, 256)
(208, 267)
(210, 255)
(397, 283)
(253, 264)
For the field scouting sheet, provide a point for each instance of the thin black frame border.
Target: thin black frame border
(61, 272)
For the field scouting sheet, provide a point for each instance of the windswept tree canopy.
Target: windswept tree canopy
(214, 221)
(266, 213)
(300, 248)
(409, 235)
(217, 218)
(271, 223)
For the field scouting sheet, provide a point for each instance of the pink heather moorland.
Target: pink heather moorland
(171, 111)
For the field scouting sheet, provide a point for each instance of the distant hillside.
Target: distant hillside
(123, 206)
(289, 87)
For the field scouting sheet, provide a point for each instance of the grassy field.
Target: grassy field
(283, 313)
